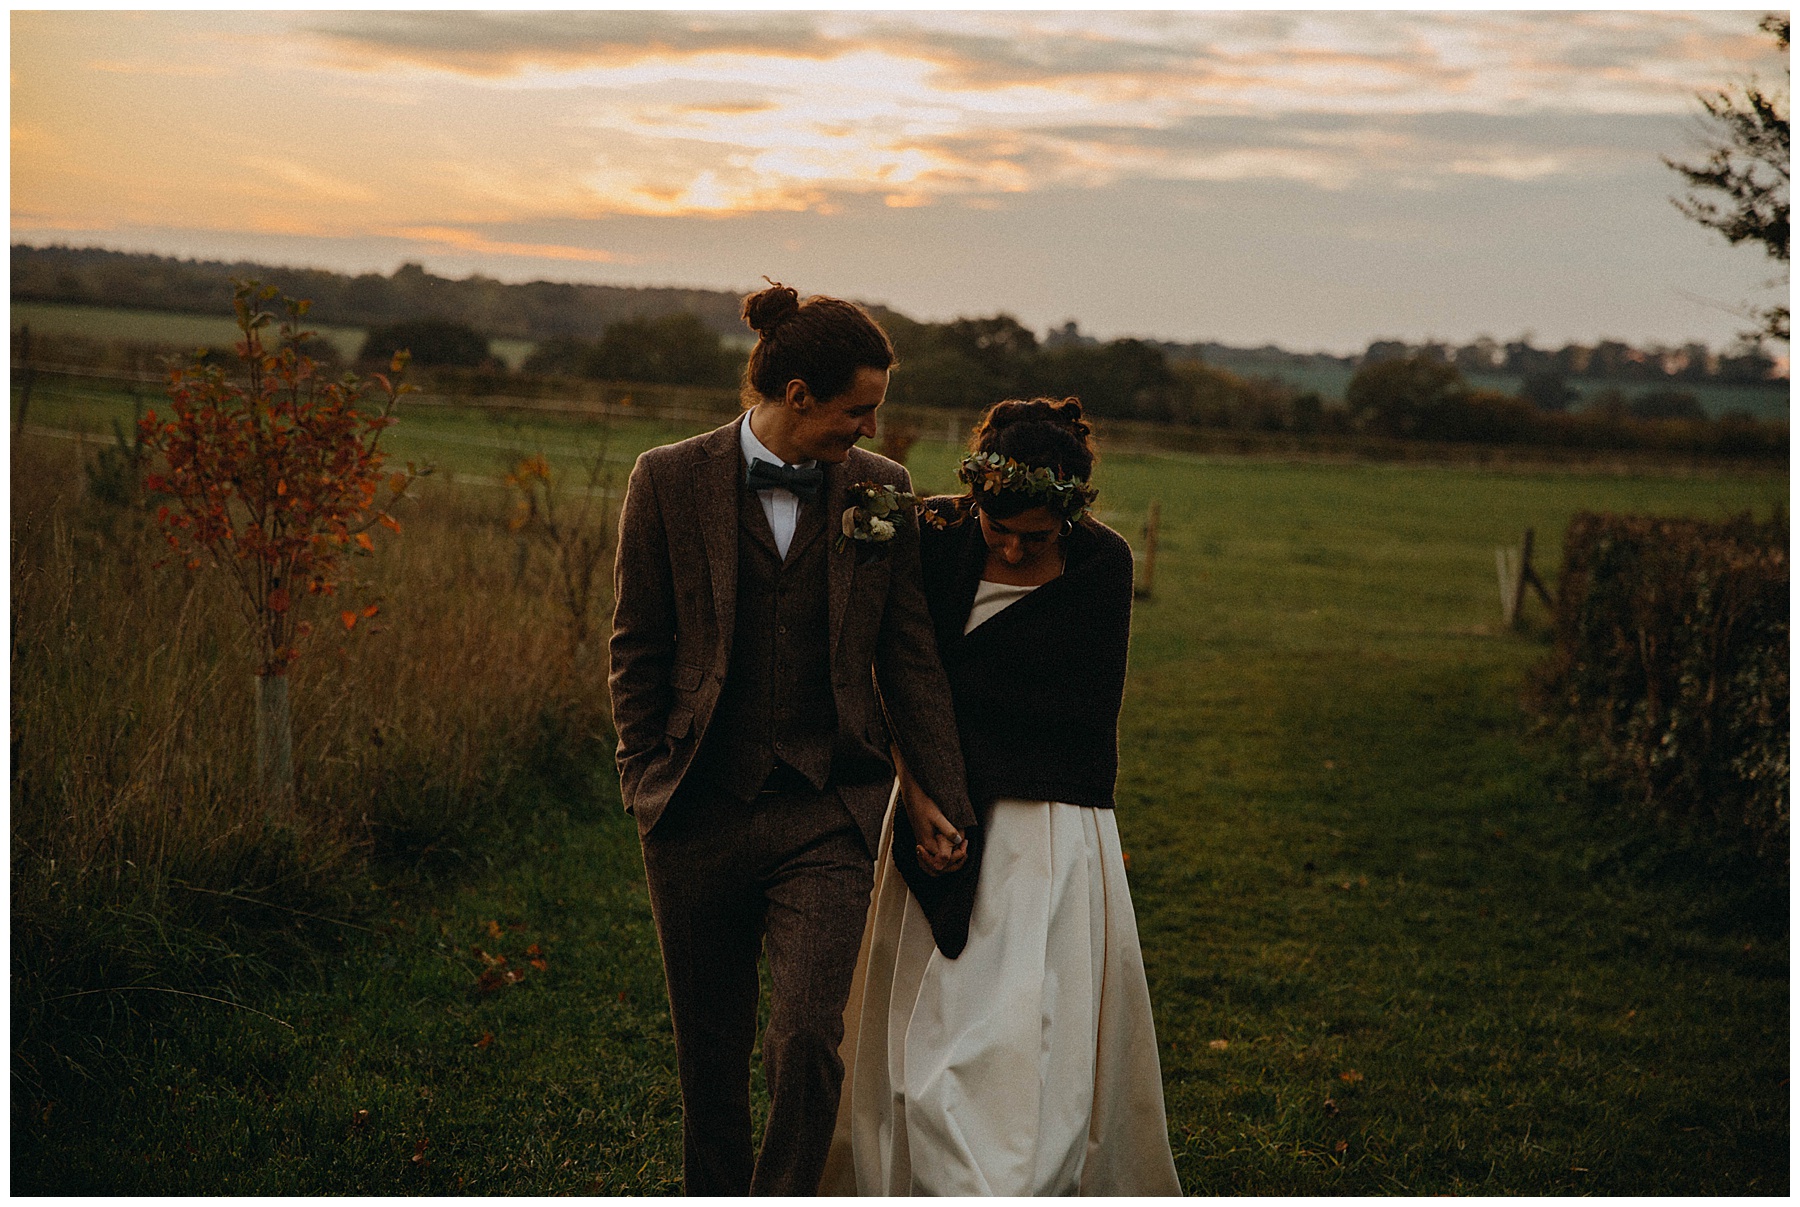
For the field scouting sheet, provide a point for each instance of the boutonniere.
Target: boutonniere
(871, 516)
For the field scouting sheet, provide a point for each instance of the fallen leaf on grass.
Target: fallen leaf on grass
(1331, 1106)
(1350, 1075)
(419, 1151)
(1126, 856)
(1343, 1146)
(534, 950)
(494, 978)
(1630, 1014)
(491, 961)
(1218, 1045)
(541, 965)
(361, 1117)
(487, 1037)
(493, 929)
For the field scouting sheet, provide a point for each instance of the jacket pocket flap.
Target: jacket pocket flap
(685, 678)
(680, 721)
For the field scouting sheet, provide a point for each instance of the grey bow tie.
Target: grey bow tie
(802, 481)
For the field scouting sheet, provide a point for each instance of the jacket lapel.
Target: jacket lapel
(806, 527)
(971, 560)
(841, 562)
(715, 496)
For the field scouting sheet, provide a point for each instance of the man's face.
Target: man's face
(828, 430)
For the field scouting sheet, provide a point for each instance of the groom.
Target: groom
(749, 642)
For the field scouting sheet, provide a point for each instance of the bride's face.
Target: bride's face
(1023, 540)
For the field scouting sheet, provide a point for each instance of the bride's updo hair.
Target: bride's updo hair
(1041, 433)
(821, 341)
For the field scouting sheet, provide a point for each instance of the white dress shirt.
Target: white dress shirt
(781, 506)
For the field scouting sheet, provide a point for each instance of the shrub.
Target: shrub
(432, 342)
(1406, 397)
(270, 479)
(674, 349)
(1671, 669)
(1667, 404)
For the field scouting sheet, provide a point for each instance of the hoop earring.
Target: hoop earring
(1068, 527)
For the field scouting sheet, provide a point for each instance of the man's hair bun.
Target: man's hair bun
(822, 342)
(768, 309)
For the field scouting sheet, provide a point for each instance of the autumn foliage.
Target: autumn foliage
(276, 474)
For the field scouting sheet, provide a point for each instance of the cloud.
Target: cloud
(1331, 151)
(506, 43)
(713, 113)
(309, 182)
(1215, 61)
(179, 70)
(469, 241)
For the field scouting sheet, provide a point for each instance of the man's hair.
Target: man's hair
(821, 341)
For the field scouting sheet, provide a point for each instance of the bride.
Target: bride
(998, 1038)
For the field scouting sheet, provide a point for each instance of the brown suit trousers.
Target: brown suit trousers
(787, 873)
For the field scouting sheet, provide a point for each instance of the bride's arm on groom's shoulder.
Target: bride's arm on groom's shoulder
(941, 847)
(642, 647)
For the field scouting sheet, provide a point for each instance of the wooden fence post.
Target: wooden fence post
(26, 374)
(1152, 526)
(1517, 573)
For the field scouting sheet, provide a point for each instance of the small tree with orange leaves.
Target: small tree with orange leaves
(273, 476)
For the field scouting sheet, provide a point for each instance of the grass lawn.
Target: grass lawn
(1386, 955)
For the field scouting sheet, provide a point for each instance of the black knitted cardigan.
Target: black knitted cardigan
(1037, 690)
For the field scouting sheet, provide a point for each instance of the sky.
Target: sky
(1311, 179)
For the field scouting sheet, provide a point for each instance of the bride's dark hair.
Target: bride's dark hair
(1041, 433)
(821, 341)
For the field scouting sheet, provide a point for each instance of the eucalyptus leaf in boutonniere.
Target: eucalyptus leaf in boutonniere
(873, 517)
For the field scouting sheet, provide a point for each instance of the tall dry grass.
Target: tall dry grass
(141, 850)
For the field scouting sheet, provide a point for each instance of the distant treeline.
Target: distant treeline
(545, 310)
(1608, 360)
(539, 310)
(1395, 390)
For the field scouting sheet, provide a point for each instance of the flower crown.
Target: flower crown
(995, 473)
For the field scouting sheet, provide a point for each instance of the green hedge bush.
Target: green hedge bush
(1671, 670)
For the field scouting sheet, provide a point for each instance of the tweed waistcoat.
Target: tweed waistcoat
(776, 703)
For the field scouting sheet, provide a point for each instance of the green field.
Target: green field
(1387, 953)
(188, 330)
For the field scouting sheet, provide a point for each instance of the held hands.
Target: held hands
(942, 848)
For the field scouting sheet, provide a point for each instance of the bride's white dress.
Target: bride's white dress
(1028, 1064)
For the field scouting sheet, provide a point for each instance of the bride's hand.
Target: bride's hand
(942, 848)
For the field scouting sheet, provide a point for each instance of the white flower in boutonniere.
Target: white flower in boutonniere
(867, 518)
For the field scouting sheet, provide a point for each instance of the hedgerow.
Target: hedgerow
(1670, 670)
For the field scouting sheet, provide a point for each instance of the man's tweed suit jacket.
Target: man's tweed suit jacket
(675, 601)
